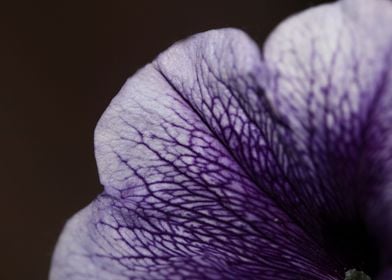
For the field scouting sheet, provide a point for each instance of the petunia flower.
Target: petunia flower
(221, 161)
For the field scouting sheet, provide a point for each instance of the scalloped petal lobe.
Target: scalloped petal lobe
(181, 151)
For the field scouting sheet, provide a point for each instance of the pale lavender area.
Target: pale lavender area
(223, 161)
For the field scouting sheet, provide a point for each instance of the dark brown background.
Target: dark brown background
(61, 63)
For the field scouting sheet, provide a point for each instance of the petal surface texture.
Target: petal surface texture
(180, 151)
(220, 161)
(331, 80)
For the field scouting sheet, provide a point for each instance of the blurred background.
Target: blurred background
(61, 63)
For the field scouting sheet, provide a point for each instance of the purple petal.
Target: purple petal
(179, 151)
(330, 78)
(217, 164)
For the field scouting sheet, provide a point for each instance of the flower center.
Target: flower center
(354, 274)
(351, 244)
